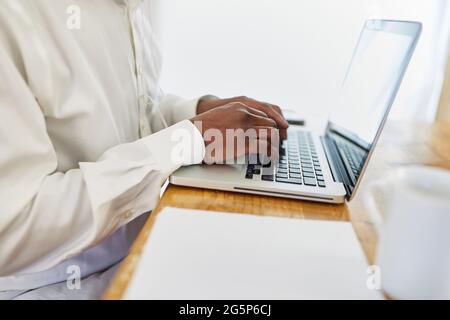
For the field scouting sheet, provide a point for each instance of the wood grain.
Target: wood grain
(400, 144)
(443, 112)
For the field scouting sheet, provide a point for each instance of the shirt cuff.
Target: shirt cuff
(179, 145)
(142, 165)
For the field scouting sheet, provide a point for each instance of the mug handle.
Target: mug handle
(371, 205)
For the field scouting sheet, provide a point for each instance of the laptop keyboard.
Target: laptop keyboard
(353, 157)
(298, 163)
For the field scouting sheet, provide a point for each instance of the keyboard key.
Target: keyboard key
(267, 177)
(309, 181)
(305, 155)
(298, 160)
(267, 165)
(249, 171)
(321, 184)
(293, 181)
(308, 174)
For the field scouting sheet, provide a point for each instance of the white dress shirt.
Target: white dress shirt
(83, 151)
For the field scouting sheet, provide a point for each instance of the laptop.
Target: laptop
(328, 166)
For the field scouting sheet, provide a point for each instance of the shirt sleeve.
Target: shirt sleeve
(173, 108)
(48, 216)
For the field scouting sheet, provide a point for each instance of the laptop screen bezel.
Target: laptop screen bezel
(409, 28)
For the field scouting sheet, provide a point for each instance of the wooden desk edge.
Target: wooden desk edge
(119, 283)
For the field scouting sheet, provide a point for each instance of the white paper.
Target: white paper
(212, 255)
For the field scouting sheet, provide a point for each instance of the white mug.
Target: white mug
(413, 225)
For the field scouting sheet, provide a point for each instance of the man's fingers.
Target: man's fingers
(267, 131)
(268, 142)
(275, 107)
(260, 121)
(255, 112)
(271, 110)
(283, 127)
(253, 131)
(247, 108)
(275, 114)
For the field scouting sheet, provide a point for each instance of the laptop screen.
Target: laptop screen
(369, 88)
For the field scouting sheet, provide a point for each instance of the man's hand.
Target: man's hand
(272, 111)
(234, 130)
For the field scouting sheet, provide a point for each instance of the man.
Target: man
(84, 148)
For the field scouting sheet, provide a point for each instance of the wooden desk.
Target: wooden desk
(401, 144)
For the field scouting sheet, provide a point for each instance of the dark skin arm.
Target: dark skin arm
(241, 113)
(272, 111)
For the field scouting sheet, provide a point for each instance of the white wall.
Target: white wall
(292, 52)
